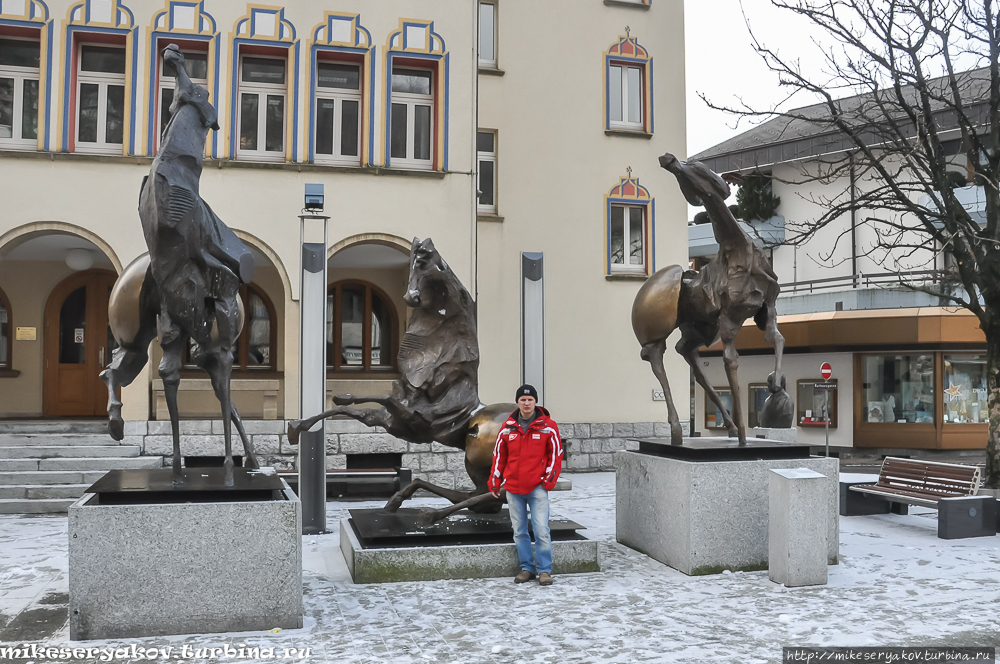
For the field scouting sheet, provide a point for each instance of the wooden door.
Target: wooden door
(78, 345)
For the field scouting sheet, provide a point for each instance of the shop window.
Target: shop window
(100, 99)
(965, 391)
(811, 397)
(488, 35)
(338, 113)
(19, 76)
(411, 121)
(256, 345)
(898, 388)
(5, 333)
(757, 394)
(627, 238)
(262, 95)
(487, 158)
(713, 416)
(196, 66)
(360, 328)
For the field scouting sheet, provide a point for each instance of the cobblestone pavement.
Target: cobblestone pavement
(896, 584)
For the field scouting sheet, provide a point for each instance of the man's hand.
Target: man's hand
(495, 494)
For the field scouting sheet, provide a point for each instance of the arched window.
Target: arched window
(360, 328)
(5, 333)
(258, 341)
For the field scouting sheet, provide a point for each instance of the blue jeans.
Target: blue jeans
(538, 502)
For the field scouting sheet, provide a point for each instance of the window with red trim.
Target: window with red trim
(338, 109)
(411, 117)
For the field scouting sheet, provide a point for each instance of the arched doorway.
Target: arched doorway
(78, 345)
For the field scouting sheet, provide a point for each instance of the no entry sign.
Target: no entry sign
(826, 370)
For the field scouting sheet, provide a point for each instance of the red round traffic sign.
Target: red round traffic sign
(826, 370)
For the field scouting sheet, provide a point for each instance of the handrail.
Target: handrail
(860, 280)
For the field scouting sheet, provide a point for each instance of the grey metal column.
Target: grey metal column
(312, 376)
(533, 322)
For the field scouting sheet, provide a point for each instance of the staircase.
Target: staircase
(46, 465)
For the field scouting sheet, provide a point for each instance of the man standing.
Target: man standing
(527, 459)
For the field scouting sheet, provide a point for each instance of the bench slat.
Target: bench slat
(889, 494)
(922, 482)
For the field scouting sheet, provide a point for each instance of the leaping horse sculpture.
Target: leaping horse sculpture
(436, 399)
(709, 304)
(187, 287)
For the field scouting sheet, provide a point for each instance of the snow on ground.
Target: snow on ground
(897, 584)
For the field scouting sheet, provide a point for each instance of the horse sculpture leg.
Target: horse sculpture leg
(688, 349)
(126, 363)
(731, 359)
(170, 374)
(653, 353)
(373, 417)
(427, 516)
(215, 373)
(775, 338)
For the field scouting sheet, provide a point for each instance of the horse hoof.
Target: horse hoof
(116, 427)
(293, 432)
(394, 504)
(426, 517)
(343, 399)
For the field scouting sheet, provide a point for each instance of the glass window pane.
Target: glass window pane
(275, 128)
(195, 64)
(421, 132)
(115, 121)
(329, 329)
(635, 237)
(486, 182)
(263, 70)
(352, 317)
(349, 128)
(713, 416)
(107, 59)
(72, 321)
(4, 335)
(615, 93)
(6, 107)
(88, 112)
(757, 395)
(397, 146)
(19, 53)
(486, 31)
(166, 98)
(29, 110)
(411, 80)
(898, 388)
(259, 341)
(324, 125)
(331, 75)
(634, 95)
(381, 332)
(484, 141)
(965, 391)
(248, 121)
(617, 235)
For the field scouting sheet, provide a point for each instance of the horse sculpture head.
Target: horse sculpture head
(430, 277)
(188, 93)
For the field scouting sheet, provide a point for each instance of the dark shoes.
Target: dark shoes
(545, 579)
(525, 576)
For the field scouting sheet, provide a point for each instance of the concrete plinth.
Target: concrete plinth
(969, 516)
(153, 570)
(705, 517)
(782, 435)
(459, 561)
(798, 527)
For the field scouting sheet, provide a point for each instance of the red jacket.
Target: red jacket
(524, 459)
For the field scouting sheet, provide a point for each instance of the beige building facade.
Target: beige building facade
(523, 151)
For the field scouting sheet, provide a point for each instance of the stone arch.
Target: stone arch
(40, 228)
(272, 255)
(394, 241)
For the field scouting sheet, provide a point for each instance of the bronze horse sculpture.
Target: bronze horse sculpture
(709, 304)
(187, 287)
(436, 398)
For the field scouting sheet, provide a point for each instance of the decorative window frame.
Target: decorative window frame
(283, 37)
(431, 54)
(629, 192)
(35, 18)
(83, 25)
(360, 48)
(333, 367)
(166, 27)
(627, 51)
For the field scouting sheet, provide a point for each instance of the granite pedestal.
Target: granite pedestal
(387, 548)
(703, 517)
(797, 526)
(969, 516)
(224, 562)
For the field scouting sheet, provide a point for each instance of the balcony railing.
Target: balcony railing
(861, 280)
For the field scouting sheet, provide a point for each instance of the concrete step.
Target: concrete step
(54, 426)
(68, 451)
(49, 477)
(98, 463)
(81, 439)
(39, 506)
(42, 491)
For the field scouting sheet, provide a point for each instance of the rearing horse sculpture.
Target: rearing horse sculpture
(709, 304)
(188, 287)
(436, 399)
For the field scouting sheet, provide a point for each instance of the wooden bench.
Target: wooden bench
(949, 488)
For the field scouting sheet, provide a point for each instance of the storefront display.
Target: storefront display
(898, 388)
(811, 397)
(965, 392)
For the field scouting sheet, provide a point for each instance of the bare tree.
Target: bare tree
(924, 83)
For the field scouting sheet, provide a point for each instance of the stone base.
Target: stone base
(855, 503)
(705, 517)
(969, 516)
(153, 570)
(797, 527)
(781, 435)
(460, 561)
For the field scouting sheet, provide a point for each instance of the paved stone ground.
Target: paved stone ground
(897, 585)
